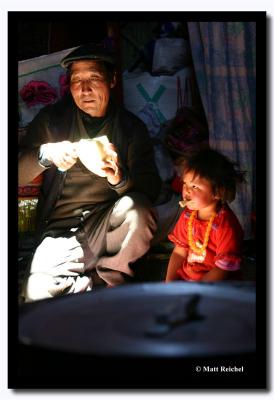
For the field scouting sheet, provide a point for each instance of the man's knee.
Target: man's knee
(133, 207)
(141, 212)
(131, 201)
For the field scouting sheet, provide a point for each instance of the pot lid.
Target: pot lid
(179, 319)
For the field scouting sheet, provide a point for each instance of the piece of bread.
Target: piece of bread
(91, 152)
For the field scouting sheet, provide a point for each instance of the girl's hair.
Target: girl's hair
(217, 169)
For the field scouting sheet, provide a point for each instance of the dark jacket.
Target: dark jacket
(60, 122)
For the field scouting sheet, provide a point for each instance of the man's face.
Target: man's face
(90, 87)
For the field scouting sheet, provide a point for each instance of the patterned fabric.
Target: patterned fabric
(224, 61)
(41, 81)
(224, 246)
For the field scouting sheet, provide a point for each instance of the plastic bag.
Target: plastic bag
(170, 55)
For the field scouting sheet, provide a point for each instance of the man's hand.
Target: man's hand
(62, 154)
(111, 165)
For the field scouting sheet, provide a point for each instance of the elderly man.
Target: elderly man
(91, 226)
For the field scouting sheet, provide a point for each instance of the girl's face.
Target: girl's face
(198, 192)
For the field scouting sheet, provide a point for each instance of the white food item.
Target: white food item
(183, 203)
(91, 153)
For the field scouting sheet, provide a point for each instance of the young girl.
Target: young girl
(208, 236)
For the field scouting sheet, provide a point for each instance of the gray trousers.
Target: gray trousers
(59, 265)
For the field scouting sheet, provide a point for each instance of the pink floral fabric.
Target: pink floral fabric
(64, 85)
(38, 92)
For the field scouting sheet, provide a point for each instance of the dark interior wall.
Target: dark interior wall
(62, 35)
(40, 37)
(32, 39)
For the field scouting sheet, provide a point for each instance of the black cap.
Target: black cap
(91, 51)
